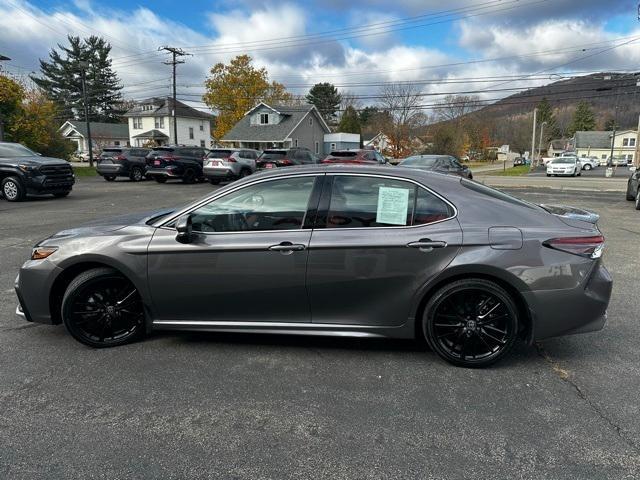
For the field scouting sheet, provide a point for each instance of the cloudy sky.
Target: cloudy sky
(490, 47)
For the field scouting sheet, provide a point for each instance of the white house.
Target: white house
(379, 141)
(598, 144)
(102, 134)
(151, 122)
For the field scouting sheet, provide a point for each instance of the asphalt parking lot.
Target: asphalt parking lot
(245, 406)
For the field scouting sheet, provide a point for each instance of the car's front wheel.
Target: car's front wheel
(587, 167)
(101, 308)
(638, 199)
(136, 174)
(471, 322)
(630, 196)
(12, 189)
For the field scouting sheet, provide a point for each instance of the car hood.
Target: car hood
(36, 160)
(107, 225)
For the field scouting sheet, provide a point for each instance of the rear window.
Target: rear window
(497, 194)
(273, 155)
(220, 153)
(162, 149)
(111, 152)
(344, 154)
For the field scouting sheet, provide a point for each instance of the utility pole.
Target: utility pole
(533, 139)
(83, 73)
(2, 59)
(175, 53)
(540, 140)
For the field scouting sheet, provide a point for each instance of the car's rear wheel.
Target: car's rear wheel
(587, 167)
(12, 189)
(160, 179)
(101, 308)
(136, 174)
(109, 178)
(630, 196)
(471, 322)
(189, 176)
(245, 172)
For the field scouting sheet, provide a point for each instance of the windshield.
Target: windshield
(273, 155)
(420, 161)
(564, 160)
(111, 152)
(15, 150)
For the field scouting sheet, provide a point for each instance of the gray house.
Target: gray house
(279, 126)
(102, 134)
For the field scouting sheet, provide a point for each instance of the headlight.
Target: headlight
(40, 253)
(27, 168)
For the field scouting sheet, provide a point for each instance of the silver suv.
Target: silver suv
(229, 164)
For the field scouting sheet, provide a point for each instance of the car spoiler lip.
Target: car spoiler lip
(571, 213)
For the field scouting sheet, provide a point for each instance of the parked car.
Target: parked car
(362, 156)
(24, 172)
(588, 163)
(564, 166)
(619, 161)
(229, 163)
(361, 250)
(633, 187)
(438, 163)
(284, 157)
(128, 162)
(176, 161)
(521, 161)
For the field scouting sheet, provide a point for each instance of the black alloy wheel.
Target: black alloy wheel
(101, 308)
(471, 323)
(136, 174)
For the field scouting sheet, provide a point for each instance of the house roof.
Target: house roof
(293, 115)
(153, 134)
(163, 106)
(592, 139)
(100, 129)
(559, 143)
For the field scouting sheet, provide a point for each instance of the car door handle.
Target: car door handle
(287, 247)
(426, 245)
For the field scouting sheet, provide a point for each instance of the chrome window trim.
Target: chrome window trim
(162, 222)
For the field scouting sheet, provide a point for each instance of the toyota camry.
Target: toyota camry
(346, 250)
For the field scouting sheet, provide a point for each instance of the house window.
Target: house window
(137, 123)
(264, 119)
(190, 133)
(632, 142)
(310, 121)
(202, 127)
(625, 142)
(202, 143)
(117, 143)
(159, 121)
(317, 148)
(146, 108)
(295, 142)
(604, 156)
(333, 146)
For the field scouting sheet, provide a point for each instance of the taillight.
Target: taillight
(119, 158)
(590, 247)
(169, 158)
(231, 159)
(285, 161)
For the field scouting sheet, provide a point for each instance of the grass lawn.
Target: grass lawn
(85, 171)
(513, 171)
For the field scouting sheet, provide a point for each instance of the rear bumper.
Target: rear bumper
(219, 172)
(570, 311)
(163, 172)
(112, 169)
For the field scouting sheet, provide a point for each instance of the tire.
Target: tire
(638, 199)
(62, 194)
(189, 176)
(109, 178)
(12, 189)
(161, 179)
(136, 174)
(245, 172)
(587, 167)
(548, 174)
(630, 196)
(214, 181)
(93, 309)
(482, 321)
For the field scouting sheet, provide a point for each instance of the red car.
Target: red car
(355, 156)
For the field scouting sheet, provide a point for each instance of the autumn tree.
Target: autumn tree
(62, 82)
(234, 88)
(326, 98)
(11, 96)
(401, 102)
(583, 118)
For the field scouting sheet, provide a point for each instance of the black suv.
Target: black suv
(23, 172)
(123, 162)
(285, 157)
(176, 162)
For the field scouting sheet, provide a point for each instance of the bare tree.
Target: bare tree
(401, 101)
(454, 107)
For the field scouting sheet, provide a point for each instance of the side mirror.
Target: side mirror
(184, 227)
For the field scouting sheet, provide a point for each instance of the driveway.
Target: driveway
(186, 405)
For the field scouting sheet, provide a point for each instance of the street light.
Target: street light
(2, 59)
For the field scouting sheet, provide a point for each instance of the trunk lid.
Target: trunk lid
(574, 217)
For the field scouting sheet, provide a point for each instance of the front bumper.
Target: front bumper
(570, 311)
(32, 287)
(43, 184)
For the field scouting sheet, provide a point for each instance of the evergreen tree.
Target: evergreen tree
(367, 114)
(61, 80)
(326, 98)
(583, 118)
(610, 124)
(349, 123)
(545, 114)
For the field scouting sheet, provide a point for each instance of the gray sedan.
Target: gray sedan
(331, 250)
